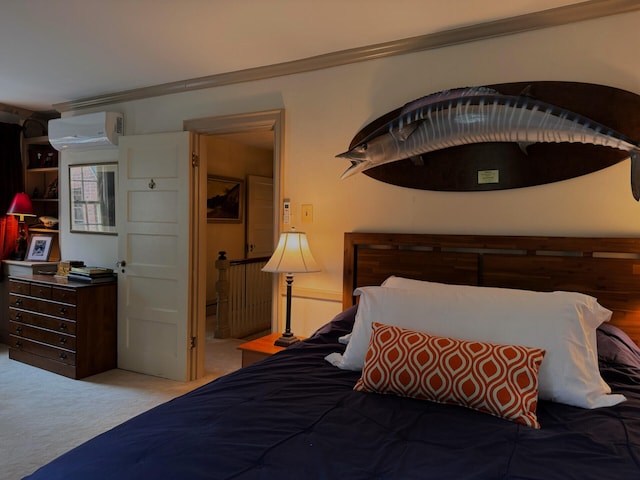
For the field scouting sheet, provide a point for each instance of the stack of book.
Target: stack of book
(91, 274)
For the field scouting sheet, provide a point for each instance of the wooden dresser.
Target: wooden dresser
(63, 326)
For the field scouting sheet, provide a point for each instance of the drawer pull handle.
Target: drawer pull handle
(63, 326)
(63, 356)
(63, 311)
(18, 316)
(18, 302)
(19, 330)
(63, 340)
(18, 344)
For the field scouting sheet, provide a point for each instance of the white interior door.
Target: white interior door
(155, 314)
(259, 216)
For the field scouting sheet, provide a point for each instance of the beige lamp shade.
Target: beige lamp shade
(292, 255)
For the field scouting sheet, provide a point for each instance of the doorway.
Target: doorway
(260, 130)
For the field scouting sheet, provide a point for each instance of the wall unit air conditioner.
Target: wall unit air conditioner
(85, 132)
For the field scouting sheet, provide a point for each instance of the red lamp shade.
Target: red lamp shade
(21, 207)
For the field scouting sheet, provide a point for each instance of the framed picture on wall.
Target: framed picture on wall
(225, 199)
(39, 247)
(93, 189)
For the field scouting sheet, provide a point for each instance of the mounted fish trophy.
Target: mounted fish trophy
(526, 133)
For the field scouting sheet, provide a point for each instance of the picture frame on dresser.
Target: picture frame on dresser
(39, 247)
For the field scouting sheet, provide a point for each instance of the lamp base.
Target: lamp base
(21, 247)
(285, 340)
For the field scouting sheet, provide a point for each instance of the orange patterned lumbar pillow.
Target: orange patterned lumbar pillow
(498, 379)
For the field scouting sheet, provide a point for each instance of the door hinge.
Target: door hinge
(195, 159)
(193, 343)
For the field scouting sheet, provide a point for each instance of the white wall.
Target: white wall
(325, 109)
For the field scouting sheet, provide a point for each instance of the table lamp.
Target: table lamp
(292, 255)
(21, 207)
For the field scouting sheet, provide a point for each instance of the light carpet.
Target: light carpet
(43, 415)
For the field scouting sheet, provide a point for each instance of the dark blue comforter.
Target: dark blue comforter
(296, 416)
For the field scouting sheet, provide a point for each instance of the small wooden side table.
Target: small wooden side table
(259, 349)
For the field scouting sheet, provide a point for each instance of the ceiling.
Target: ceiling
(57, 51)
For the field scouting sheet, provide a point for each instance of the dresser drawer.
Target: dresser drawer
(40, 291)
(50, 323)
(30, 332)
(19, 287)
(42, 350)
(42, 306)
(64, 295)
(58, 309)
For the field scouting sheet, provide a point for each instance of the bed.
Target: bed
(296, 415)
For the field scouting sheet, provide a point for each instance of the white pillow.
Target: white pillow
(562, 323)
(409, 283)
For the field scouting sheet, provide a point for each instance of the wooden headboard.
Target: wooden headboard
(605, 268)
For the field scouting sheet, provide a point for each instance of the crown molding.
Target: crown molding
(523, 23)
(17, 111)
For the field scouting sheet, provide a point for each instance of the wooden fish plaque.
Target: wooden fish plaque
(497, 165)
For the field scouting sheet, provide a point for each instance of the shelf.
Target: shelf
(42, 170)
(42, 140)
(41, 179)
